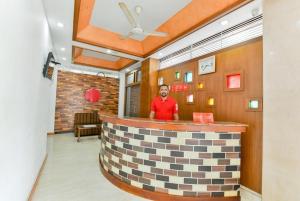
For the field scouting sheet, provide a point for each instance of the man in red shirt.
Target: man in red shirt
(164, 107)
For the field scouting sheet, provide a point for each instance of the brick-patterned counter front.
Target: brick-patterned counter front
(202, 164)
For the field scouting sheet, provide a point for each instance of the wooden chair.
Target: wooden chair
(87, 124)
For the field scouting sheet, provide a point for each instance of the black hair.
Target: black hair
(164, 85)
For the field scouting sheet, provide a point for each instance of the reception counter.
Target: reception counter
(172, 160)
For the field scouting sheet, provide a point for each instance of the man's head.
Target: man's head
(163, 90)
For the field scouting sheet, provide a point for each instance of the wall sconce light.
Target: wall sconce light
(200, 85)
(188, 77)
(190, 98)
(211, 102)
(177, 75)
(254, 104)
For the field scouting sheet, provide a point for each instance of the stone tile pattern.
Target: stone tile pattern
(177, 163)
(71, 88)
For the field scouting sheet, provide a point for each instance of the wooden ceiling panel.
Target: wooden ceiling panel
(106, 39)
(194, 15)
(79, 58)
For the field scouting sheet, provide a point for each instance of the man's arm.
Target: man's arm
(176, 117)
(152, 114)
(175, 112)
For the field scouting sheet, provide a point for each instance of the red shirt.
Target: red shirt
(164, 109)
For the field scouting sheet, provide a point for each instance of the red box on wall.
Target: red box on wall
(203, 118)
(234, 81)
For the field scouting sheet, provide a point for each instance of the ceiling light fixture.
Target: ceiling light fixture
(224, 22)
(60, 25)
(160, 54)
(127, 70)
(108, 51)
(62, 49)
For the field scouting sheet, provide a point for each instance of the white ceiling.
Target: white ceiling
(100, 55)
(240, 15)
(60, 11)
(63, 11)
(108, 15)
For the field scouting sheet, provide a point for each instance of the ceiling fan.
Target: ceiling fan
(136, 27)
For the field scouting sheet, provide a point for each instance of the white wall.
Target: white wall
(281, 150)
(121, 103)
(27, 100)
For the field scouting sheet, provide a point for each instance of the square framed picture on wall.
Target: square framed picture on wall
(207, 65)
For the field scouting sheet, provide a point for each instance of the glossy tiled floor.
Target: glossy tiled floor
(72, 173)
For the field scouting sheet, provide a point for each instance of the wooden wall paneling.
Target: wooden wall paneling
(230, 105)
(149, 85)
(186, 110)
(200, 101)
(144, 101)
(153, 75)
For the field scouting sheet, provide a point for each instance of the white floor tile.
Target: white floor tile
(72, 173)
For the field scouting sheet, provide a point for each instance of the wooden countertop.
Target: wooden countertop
(175, 125)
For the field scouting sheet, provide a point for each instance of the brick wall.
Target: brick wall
(71, 88)
(204, 164)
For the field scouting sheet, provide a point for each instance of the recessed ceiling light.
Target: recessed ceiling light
(64, 58)
(224, 22)
(108, 51)
(59, 24)
(63, 49)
